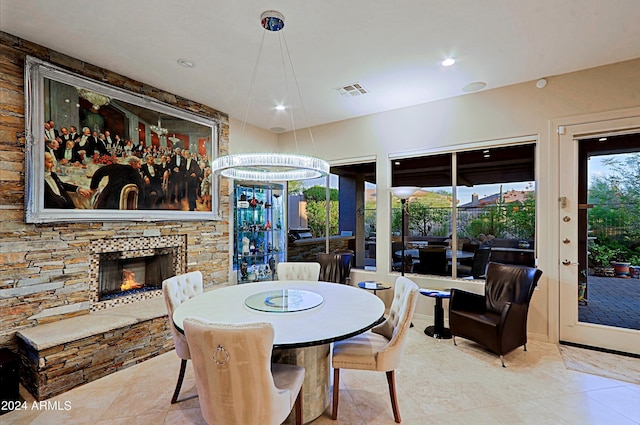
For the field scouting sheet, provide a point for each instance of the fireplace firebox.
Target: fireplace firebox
(125, 273)
(130, 269)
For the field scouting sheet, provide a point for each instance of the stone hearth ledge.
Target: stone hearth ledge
(48, 335)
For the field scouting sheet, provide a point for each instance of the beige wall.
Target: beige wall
(504, 113)
(250, 138)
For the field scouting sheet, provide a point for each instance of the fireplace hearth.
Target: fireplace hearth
(126, 270)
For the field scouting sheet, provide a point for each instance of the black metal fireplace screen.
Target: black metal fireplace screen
(124, 273)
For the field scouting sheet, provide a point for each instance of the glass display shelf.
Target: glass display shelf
(259, 230)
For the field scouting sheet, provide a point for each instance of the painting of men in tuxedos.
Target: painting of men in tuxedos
(99, 153)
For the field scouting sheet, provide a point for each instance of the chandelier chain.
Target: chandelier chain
(272, 166)
(251, 84)
(304, 110)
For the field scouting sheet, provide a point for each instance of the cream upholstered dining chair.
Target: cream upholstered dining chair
(237, 383)
(298, 271)
(379, 349)
(176, 290)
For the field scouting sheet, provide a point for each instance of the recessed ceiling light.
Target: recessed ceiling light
(448, 62)
(186, 63)
(278, 129)
(602, 139)
(471, 87)
(280, 108)
(397, 163)
(486, 155)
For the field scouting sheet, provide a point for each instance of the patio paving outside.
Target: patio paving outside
(612, 301)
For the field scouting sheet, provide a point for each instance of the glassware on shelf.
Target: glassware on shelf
(258, 230)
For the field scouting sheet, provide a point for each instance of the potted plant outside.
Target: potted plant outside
(622, 261)
(599, 258)
(621, 268)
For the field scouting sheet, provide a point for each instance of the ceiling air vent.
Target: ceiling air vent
(355, 89)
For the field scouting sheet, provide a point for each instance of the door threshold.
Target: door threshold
(600, 349)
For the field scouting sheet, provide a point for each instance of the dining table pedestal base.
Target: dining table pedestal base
(316, 386)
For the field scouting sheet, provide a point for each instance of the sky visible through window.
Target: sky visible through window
(597, 168)
(464, 193)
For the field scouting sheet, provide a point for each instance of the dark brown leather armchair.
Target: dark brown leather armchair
(498, 319)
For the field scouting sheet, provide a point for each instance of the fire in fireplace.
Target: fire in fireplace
(129, 281)
(124, 273)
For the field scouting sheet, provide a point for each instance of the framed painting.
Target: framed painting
(95, 152)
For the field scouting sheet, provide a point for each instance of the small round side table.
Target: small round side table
(437, 330)
(374, 286)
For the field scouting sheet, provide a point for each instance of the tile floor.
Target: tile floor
(438, 383)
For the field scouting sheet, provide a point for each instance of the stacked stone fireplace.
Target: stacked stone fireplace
(126, 270)
(126, 325)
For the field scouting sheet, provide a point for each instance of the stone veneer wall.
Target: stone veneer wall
(54, 370)
(44, 268)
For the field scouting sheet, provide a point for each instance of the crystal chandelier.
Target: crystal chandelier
(96, 99)
(174, 139)
(271, 166)
(158, 129)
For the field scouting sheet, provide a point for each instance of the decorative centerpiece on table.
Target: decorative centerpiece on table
(104, 159)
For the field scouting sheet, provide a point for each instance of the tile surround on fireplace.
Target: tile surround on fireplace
(141, 246)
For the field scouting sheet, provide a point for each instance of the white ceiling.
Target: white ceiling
(393, 48)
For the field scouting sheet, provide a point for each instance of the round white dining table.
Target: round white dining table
(328, 312)
(345, 311)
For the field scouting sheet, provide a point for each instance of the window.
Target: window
(428, 215)
(352, 211)
(494, 201)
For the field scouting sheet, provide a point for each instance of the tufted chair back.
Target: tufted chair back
(176, 290)
(381, 348)
(298, 271)
(397, 323)
(236, 381)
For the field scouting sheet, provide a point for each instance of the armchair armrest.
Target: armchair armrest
(467, 301)
(513, 314)
(512, 330)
